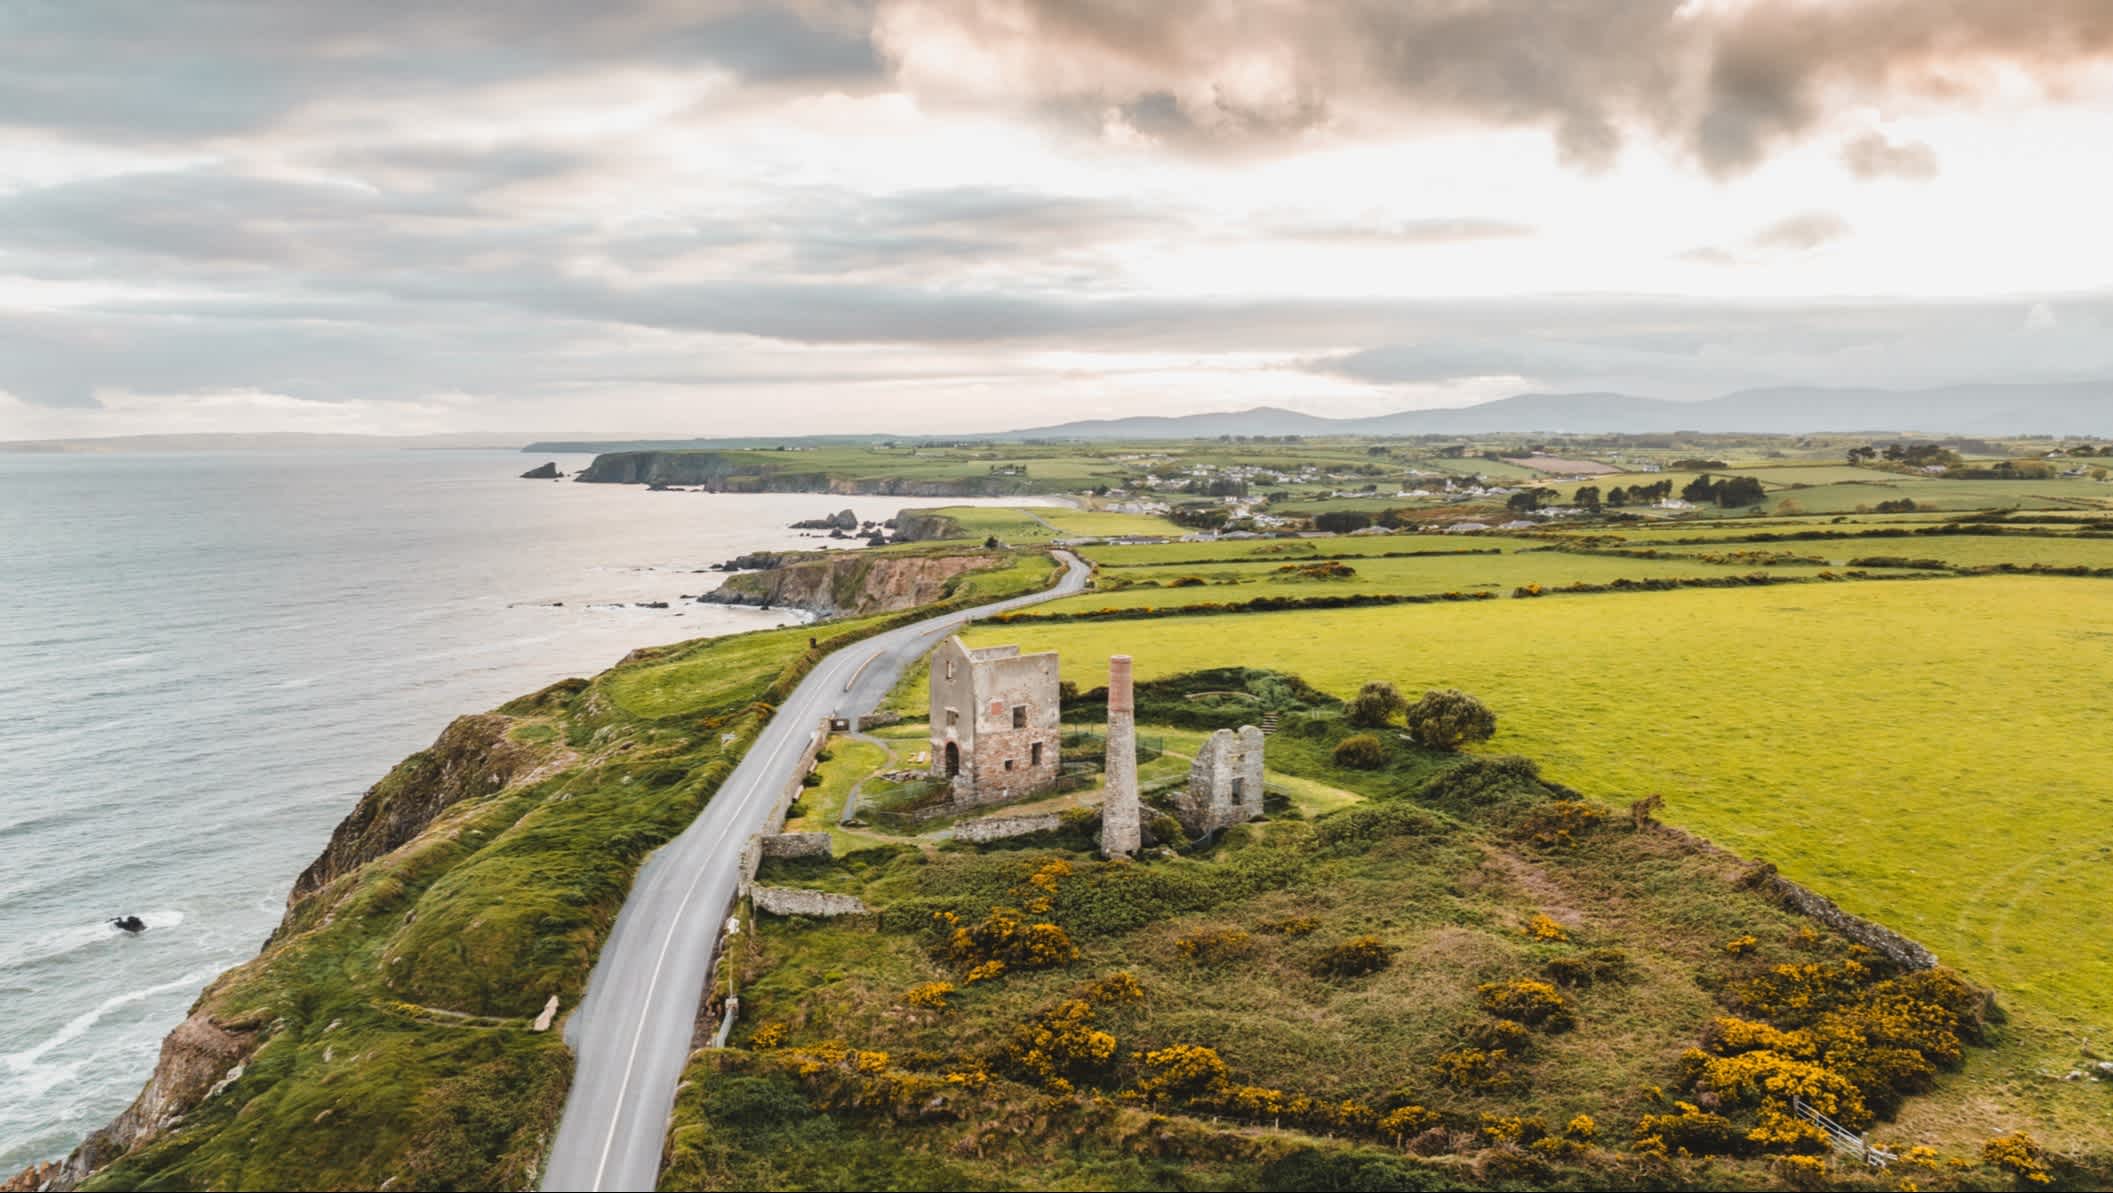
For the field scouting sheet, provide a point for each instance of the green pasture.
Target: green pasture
(1925, 753)
(1174, 584)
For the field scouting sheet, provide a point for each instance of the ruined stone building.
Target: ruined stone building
(996, 721)
(1225, 782)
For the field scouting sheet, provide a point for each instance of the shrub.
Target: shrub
(1495, 1034)
(1061, 1043)
(1318, 1171)
(1449, 719)
(1164, 829)
(1591, 968)
(1374, 705)
(1296, 925)
(755, 1101)
(1528, 1001)
(1473, 1069)
(1355, 958)
(1692, 1129)
(2018, 1154)
(1212, 947)
(1360, 751)
(1181, 1069)
(1006, 939)
(929, 994)
(1543, 927)
(1739, 946)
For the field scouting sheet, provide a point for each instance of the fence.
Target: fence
(1844, 1140)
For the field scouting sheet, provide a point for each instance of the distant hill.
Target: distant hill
(2084, 408)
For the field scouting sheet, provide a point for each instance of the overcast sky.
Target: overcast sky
(922, 215)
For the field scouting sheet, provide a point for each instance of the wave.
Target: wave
(28, 1063)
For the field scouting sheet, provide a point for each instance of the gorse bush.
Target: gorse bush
(1360, 751)
(1528, 1001)
(1449, 719)
(1355, 957)
(1375, 705)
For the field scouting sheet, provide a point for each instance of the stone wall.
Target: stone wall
(783, 845)
(997, 828)
(1813, 905)
(786, 900)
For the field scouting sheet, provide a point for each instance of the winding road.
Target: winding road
(632, 1031)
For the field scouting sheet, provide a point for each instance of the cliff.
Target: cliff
(851, 582)
(783, 472)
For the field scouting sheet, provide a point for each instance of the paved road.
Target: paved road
(632, 1031)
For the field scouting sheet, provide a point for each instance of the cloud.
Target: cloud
(1789, 236)
(1801, 233)
(1432, 231)
(1724, 84)
(1872, 156)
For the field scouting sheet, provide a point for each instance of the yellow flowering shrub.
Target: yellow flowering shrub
(1473, 1069)
(1181, 1069)
(1061, 1042)
(1542, 927)
(2020, 1155)
(1529, 1001)
(929, 994)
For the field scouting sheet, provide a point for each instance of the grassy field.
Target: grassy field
(1175, 585)
(1094, 1070)
(1920, 752)
(1282, 550)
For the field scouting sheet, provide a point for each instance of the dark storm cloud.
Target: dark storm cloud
(1726, 87)
(1872, 156)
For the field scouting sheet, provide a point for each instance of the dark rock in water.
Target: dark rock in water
(542, 472)
(651, 604)
(841, 520)
(130, 923)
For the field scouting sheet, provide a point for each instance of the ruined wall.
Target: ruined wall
(1225, 782)
(787, 900)
(784, 845)
(998, 828)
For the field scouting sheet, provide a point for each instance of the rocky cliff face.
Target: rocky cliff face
(472, 757)
(197, 1058)
(207, 1052)
(923, 526)
(850, 583)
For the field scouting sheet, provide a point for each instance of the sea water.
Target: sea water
(205, 659)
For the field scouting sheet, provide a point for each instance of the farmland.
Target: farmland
(1816, 726)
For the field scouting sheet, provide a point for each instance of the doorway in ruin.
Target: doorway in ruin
(953, 760)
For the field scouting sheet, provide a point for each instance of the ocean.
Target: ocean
(206, 658)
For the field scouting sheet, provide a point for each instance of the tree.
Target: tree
(1738, 491)
(1374, 705)
(1341, 521)
(1618, 496)
(1699, 490)
(1860, 455)
(1587, 496)
(1449, 719)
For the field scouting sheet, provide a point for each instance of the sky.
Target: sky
(817, 216)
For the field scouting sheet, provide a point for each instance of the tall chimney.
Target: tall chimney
(1120, 835)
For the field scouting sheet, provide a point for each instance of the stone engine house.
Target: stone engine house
(996, 721)
(1225, 782)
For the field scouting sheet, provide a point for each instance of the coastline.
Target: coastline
(121, 994)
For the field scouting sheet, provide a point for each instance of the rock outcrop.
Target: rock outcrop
(542, 472)
(198, 1059)
(472, 757)
(849, 583)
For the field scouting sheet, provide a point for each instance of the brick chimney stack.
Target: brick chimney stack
(1120, 816)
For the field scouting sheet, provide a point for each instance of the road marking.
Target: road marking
(906, 635)
(623, 1085)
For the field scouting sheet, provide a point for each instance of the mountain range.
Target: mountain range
(2083, 408)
